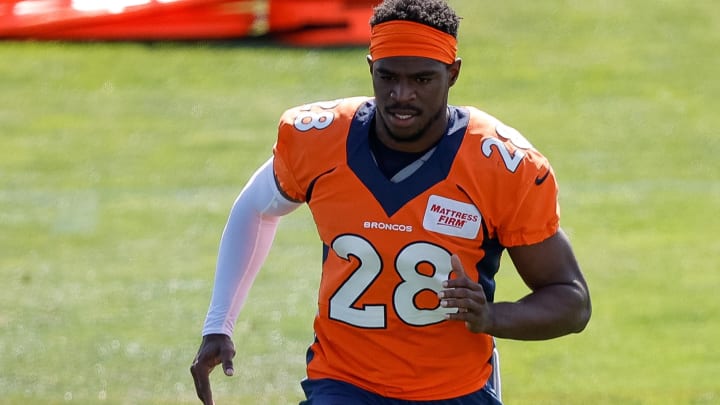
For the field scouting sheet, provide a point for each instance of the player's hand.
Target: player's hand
(468, 297)
(215, 349)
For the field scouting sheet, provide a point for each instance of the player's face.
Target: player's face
(411, 94)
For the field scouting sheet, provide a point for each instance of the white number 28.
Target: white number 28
(342, 302)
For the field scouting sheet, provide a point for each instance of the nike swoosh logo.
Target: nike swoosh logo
(541, 180)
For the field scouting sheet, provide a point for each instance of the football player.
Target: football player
(414, 201)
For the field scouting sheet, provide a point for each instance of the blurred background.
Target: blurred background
(304, 22)
(121, 155)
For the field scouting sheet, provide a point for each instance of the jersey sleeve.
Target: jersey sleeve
(535, 214)
(284, 162)
(311, 141)
(517, 184)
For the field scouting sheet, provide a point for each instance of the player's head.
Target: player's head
(413, 64)
(433, 13)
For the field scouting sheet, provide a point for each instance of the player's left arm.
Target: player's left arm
(558, 304)
(527, 222)
(559, 301)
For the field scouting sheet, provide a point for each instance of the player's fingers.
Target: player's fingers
(461, 279)
(457, 266)
(201, 378)
(464, 305)
(472, 319)
(226, 356)
(462, 314)
(458, 286)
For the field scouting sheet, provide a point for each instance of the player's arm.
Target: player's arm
(558, 304)
(245, 243)
(559, 301)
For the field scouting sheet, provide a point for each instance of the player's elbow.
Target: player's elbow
(583, 309)
(582, 320)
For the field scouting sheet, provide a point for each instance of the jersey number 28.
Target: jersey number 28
(342, 303)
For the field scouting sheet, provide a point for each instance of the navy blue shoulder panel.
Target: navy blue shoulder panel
(393, 196)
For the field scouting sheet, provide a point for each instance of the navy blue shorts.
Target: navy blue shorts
(333, 392)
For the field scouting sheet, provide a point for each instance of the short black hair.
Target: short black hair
(434, 13)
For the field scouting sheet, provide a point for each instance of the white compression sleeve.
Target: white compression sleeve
(245, 244)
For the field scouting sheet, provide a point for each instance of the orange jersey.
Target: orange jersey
(387, 246)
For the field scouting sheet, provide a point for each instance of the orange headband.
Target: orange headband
(408, 38)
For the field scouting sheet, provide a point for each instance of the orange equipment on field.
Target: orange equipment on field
(321, 22)
(296, 22)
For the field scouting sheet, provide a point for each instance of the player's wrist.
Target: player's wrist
(489, 326)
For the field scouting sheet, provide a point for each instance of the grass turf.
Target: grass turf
(119, 163)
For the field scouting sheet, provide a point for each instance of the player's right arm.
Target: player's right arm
(245, 243)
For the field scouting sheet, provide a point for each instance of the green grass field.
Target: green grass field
(119, 164)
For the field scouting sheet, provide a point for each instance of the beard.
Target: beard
(419, 133)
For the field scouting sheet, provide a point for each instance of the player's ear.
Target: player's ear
(454, 70)
(370, 62)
